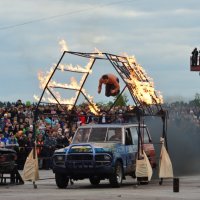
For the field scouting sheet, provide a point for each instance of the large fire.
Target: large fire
(63, 45)
(74, 84)
(138, 81)
(141, 84)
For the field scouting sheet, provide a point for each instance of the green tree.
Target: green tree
(196, 101)
(121, 100)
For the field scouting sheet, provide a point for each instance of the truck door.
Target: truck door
(131, 148)
(148, 146)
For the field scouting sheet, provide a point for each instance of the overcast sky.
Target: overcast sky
(161, 35)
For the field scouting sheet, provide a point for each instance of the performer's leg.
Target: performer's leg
(116, 93)
(108, 90)
(112, 87)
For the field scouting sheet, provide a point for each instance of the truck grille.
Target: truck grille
(80, 161)
(79, 157)
(85, 161)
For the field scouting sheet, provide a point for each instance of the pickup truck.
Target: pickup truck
(102, 151)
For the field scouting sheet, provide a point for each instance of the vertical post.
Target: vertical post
(164, 134)
(34, 136)
(176, 184)
(137, 111)
(199, 60)
(139, 137)
(34, 131)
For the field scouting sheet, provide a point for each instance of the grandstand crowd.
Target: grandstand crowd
(53, 130)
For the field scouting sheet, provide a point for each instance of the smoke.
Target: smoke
(183, 139)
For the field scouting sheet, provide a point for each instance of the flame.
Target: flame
(62, 67)
(141, 85)
(37, 98)
(94, 108)
(77, 68)
(88, 66)
(43, 79)
(100, 54)
(73, 84)
(69, 102)
(63, 45)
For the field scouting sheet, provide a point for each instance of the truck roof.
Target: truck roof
(111, 125)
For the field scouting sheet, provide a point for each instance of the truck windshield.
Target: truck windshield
(98, 134)
(82, 135)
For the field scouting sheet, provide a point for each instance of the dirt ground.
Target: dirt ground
(189, 188)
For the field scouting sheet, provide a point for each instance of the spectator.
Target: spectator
(104, 118)
(21, 153)
(12, 142)
(3, 139)
(50, 144)
(40, 146)
(120, 117)
(194, 57)
(6, 132)
(117, 135)
(18, 123)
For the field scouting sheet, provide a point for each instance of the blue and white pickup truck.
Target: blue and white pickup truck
(102, 151)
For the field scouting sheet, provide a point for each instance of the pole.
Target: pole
(34, 136)
(138, 114)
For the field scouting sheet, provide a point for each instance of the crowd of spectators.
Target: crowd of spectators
(180, 112)
(53, 128)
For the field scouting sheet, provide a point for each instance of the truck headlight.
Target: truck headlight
(106, 157)
(60, 158)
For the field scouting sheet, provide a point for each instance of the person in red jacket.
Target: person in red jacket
(112, 87)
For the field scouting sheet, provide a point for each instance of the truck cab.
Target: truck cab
(102, 151)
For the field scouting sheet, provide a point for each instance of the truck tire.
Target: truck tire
(61, 180)
(94, 180)
(116, 178)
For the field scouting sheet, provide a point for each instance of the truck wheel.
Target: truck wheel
(116, 178)
(95, 180)
(61, 180)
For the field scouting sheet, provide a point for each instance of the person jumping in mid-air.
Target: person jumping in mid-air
(111, 82)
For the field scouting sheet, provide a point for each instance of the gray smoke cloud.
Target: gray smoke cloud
(183, 139)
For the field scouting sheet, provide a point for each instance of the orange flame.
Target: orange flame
(139, 83)
(44, 77)
(94, 108)
(142, 86)
(63, 45)
(100, 54)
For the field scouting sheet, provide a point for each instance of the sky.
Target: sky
(160, 34)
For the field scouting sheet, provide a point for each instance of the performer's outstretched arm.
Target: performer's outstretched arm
(100, 85)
